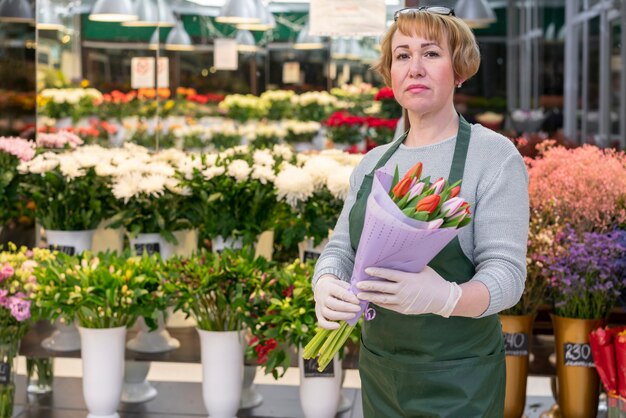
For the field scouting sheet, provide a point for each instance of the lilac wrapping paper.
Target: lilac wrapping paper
(392, 240)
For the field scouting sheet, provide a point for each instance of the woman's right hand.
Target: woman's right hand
(334, 301)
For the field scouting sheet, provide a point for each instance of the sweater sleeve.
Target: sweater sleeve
(338, 256)
(501, 216)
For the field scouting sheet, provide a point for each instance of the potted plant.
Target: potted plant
(389, 107)
(314, 105)
(16, 284)
(300, 134)
(345, 129)
(279, 103)
(106, 293)
(12, 152)
(216, 290)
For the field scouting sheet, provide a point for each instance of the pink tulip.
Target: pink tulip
(416, 190)
(438, 185)
(451, 207)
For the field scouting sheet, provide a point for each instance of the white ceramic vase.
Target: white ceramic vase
(102, 353)
(136, 388)
(152, 243)
(222, 372)
(70, 242)
(157, 341)
(220, 243)
(319, 393)
(308, 251)
(64, 338)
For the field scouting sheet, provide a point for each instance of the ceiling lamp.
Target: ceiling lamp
(267, 21)
(155, 39)
(113, 11)
(239, 11)
(152, 13)
(178, 39)
(17, 11)
(476, 13)
(47, 18)
(307, 41)
(245, 41)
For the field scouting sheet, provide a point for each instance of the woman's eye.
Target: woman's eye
(431, 54)
(402, 56)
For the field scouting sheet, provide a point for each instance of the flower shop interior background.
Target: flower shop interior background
(221, 153)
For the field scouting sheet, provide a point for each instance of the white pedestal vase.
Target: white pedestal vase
(150, 243)
(308, 251)
(250, 398)
(69, 242)
(157, 341)
(319, 392)
(222, 372)
(102, 354)
(136, 388)
(66, 337)
(219, 243)
(264, 245)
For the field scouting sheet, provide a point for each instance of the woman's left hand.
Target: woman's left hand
(410, 293)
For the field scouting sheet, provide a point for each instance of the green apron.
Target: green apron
(427, 365)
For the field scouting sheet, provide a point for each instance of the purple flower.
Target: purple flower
(6, 272)
(4, 300)
(20, 308)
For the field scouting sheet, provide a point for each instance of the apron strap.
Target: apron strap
(460, 151)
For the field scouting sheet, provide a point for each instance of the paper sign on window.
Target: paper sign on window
(225, 55)
(347, 17)
(291, 72)
(142, 72)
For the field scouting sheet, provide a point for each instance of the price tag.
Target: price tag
(148, 247)
(516, 344)
(5, 373)
(310, 369)
(310, 255)
(577, 354)
(65, 249)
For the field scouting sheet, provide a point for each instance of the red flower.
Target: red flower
(415, 171)
(288, 292)
(402, 187)
(455, 191)
(428, 204)
(385, 93)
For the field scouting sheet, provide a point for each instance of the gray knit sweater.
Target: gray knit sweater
(495, 184)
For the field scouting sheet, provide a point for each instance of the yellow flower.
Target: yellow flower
(84, 84)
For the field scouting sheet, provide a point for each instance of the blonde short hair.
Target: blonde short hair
(435, 27)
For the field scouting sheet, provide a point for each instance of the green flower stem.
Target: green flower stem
(341, 336)
(7, 393)
(40, 370)
(326, 344)
(313, 347)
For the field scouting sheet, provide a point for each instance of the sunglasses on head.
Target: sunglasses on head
(439, 10)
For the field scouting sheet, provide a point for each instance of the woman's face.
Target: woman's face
(422, 77)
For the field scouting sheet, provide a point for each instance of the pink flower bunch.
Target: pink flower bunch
(18, 304)
(19, 147)
(61, 139)
(6, 272)
(584, 187)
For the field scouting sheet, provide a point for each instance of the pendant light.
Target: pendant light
(155, 39)
(239, 11)
(476, 13)
(307, 41)
(152, 13)
(47, 17)
(178, 39)
(16, 11)
(245, 41)
(113, 11)
(266, 22)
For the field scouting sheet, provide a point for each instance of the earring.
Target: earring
(459, 85)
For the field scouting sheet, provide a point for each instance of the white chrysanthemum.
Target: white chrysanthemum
(239, 170)
(214, 171)
(283, 151)
(263, 173)
(263, 157)
(131, 165)
(210, 159)
(294, 185)
(174, 186)
(159, 168)
(127, 186)
(70, 167)
(301, 159)
(171, 156)
(277, 95)
(43, 163)
(105, 169)
(153, 184)
(187, 166)
(320, 168)
(338, 182)
(302, 127)
(88, 158)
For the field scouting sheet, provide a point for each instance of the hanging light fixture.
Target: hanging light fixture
(307, 41)
(178, 39)
(152, 13)
(339, 48)
(17, 11)
(47, 18)
(267, 21)
(245, 41)
(155, 40)
(476, 13)
(113, 11)
(239, 11)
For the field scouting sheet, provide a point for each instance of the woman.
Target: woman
(435, 347)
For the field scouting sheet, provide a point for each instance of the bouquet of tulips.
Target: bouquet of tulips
(411, 219)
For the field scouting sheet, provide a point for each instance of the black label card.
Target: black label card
(66, 249)
(310, 255)
(516, 344)
(149, 248)
(5, 373)
(310, 369)
(577, 354)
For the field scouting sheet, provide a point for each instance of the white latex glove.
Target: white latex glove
(410, 293)
(334, 301)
